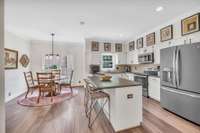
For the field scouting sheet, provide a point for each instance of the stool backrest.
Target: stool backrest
(90, 87)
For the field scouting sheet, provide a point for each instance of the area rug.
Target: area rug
(31, 100)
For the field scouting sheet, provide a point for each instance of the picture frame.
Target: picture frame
(107, 47)
(140, 43)
(151, 39)
(166, 33)
(132, 46)
(24, 60)
(190, 24)
(118, 47)
(10, 58)
(95, 46)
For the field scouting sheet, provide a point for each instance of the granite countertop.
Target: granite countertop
(115, 82)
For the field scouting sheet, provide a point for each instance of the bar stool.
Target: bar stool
(92, 96)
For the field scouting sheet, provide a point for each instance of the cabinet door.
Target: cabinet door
(157, 55)
(130, 58)
(121, 58)
(154, 88)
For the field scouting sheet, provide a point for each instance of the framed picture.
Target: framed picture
(118, 47)
(140, 43)
(190, 25)
(11, 59)
(107, 47)
(95, 46)
(150, 39)
(24, 60)
(166, 33)
(132, 46)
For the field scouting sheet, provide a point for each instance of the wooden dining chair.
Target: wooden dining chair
(56, 75)
(30, 83)
(67, 83)
(46, 84)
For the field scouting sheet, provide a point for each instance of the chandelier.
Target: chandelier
(52, 60)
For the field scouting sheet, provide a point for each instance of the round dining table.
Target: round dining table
(56, 81)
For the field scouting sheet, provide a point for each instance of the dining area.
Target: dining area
(47, 88)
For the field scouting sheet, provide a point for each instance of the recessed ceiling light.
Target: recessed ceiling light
(159, 8)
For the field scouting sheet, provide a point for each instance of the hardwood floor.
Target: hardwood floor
(69, 117)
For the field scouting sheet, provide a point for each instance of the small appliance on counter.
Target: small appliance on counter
(94, 69)
(127, 68)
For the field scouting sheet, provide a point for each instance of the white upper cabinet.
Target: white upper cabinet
(122, 58)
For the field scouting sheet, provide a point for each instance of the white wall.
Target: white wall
(2, 106)
(14, 79)
(40, 48)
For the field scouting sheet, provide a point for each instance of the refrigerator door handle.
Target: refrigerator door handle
(174, 68)
(177, 67)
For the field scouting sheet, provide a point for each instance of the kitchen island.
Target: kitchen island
(125, 101)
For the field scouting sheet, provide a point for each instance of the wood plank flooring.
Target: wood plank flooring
(69, 117)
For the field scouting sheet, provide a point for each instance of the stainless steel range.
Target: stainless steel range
(143, 79)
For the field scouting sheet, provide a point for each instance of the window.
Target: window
(108, 61)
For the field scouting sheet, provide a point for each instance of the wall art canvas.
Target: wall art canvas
(166, 33)
(140, 43)
(132, 46)
(118, 47)
(95, 46)
(190, 25)
(150, 39)
(11, 59)
(107, 47)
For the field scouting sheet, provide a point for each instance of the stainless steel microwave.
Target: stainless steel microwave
(146, 58)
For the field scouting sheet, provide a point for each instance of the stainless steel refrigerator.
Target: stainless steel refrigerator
(180, 80)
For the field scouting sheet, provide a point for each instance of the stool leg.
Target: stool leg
(97, 115)
(109, 107)
(90, 112)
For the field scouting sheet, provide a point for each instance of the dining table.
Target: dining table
(55, 81)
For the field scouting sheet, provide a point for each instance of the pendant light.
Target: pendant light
(52, 59)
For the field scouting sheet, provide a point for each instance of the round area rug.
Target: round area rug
(31, 100)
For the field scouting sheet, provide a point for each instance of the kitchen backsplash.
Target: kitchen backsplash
(137, 67)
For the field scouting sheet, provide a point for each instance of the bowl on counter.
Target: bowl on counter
(106, 77)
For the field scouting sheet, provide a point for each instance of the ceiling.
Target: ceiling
(104, 19)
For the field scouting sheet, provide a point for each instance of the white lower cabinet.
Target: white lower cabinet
(154, 87)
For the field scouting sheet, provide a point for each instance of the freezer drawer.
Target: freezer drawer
(182, 103)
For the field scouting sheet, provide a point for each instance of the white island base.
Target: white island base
(125, 107)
